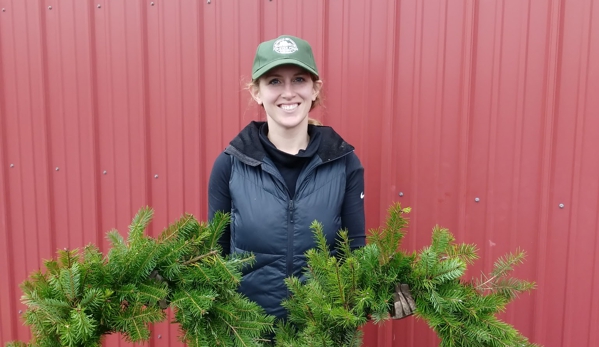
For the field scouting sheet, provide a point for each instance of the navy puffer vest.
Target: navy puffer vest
(276, 228)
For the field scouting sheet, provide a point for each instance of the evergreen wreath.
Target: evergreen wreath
(84, 295)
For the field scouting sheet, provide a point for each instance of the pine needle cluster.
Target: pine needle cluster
(463, 313)
(84, 295)
(343, 292)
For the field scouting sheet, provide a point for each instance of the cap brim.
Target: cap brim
(264, 69)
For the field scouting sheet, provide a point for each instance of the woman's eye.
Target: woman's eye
(274, 81)
(299, 79)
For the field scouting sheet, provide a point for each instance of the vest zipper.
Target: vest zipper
(290, 239)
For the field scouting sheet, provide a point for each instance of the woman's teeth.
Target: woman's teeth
(289, 107)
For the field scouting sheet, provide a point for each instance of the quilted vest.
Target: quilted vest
(276, 228)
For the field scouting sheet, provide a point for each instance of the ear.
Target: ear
(255, 93)
(317, 88)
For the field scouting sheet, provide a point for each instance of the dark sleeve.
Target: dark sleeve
(352, 211)
(219, 197)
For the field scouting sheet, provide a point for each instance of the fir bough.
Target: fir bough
(341, 293)
(84, 295)
(463, 313)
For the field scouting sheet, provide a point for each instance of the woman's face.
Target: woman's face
(287, 93)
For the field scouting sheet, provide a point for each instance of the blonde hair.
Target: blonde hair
(313, 121)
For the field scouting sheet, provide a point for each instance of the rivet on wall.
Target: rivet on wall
(562, 205)
(477, 199)
(400, 193)
(99, 6)
(3, 10)
(208, 2)
(20, 311)
(12, 165)
(159, 336)
(49, 7)
(152, 3)
(105, 172)
(155, 176)
(57, 168)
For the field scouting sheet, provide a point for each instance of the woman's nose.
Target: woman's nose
(288, 91)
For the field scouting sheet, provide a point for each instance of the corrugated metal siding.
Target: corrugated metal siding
(108, 106)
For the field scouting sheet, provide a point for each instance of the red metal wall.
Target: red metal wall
(107, 106)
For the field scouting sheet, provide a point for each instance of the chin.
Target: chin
(290, 122)
(293, 123)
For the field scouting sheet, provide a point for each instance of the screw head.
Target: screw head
(105, 172)
(477, 199)
(3, 10)
(57, 168)
(155, 176)
(99, 6)
(561, 205)
(152, 3)
(49, 7)
(400, 193)
(20, 311)
(12, 165)
(159, 336)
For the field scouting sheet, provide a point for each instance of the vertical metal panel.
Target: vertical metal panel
(445, 102)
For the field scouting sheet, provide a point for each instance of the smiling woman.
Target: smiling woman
(276, 177)
(287, 93)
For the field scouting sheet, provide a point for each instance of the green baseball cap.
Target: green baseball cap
(283, 50)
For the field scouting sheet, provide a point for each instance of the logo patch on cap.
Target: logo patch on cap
(284, 46)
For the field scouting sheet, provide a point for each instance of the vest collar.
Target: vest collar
(247, 147)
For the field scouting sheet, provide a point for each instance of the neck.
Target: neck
(289, 140)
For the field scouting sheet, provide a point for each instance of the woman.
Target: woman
(277, 177)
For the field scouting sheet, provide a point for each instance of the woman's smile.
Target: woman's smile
(289, 107)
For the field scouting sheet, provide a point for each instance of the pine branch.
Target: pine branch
(459, 313)
(139, 224)
(200, 257)
(181, 228)
(465, 252)
(503, 266)
(216, 227)
(83, 296)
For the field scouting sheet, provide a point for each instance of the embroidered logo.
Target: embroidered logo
(284, 46)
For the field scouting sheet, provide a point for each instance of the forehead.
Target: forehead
(287, 69)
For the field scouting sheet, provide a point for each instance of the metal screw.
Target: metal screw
(20, 311)
(159, 336)
(208, 2)
(105, 172)
(477, 199)
(400, 193)
(3, 10)
(49, 7)
(562, 205)
(12, 165)
(99, 6)
(57, 168)
(152, 3)
(155, 176)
